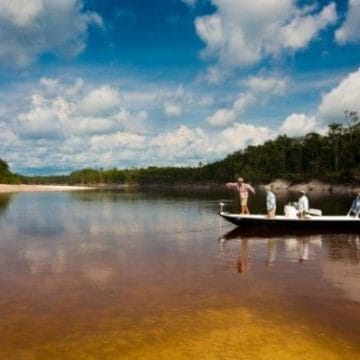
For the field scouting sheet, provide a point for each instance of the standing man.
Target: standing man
(243, 189)
(303, 205)
(270, 202)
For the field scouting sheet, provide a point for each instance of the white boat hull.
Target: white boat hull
(334, 223)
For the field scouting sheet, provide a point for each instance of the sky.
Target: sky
(137, 83)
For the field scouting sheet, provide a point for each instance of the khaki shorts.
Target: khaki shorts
(271, 212)
(243, 201)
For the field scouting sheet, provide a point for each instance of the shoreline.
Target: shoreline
(313, 186)
(9, 188)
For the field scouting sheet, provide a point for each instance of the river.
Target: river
(157, 275)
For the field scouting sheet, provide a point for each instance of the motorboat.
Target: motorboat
(313, 220)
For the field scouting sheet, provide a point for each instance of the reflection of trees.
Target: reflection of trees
(344, 247)
(4, 202)
(151, 193)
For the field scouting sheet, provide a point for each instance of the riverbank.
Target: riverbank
(6, 188)
(312, 186)
(276, 186)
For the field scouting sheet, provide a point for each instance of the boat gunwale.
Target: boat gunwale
(283, 218)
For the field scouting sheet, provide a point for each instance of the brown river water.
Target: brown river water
(144, 275)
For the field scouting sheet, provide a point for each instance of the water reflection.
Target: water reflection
(243, 260)
(336, 256)
(303, 249)
(129, 269)
(4, 202)
(271, 257)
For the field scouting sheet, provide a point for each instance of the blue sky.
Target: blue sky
(135, 83)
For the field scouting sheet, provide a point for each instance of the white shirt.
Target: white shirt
(303, 204)
(270, 200)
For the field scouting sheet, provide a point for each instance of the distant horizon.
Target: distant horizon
(133, 83)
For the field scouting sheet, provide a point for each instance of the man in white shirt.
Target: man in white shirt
(303, 204)
(270, 202)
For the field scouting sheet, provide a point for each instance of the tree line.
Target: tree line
(6, 176)
(333, 158)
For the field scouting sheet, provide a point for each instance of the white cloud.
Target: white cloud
(42, 120)
(34, 27)
(103, 100)
(176, 101)
(7, 136)
(76, 125)
(138, 97)
(346, 96)
(117, 142)
(258, 88)
(223, 117)
(242, 33)
(172, 109)
(53, 127)
(210, 29)
(183, 139)
(49, 84)
(298, 125)
(186, 145)
(350, 29)
(189, 2)
(19, 12)
(74, 90)
(132, 121)
(92, 125)
(56, 110)
(240, 135)
(271, 85)
(301, 30)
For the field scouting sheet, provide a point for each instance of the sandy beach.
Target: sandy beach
(5, 188)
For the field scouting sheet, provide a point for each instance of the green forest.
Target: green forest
(6, 176)
(332, 158)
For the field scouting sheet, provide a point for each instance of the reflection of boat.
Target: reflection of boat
(260, 249)
(268, 233)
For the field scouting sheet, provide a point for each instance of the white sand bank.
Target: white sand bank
(4, 188)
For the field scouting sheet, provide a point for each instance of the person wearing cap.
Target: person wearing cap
(243, 189)
(270, 202)
(303, 205)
